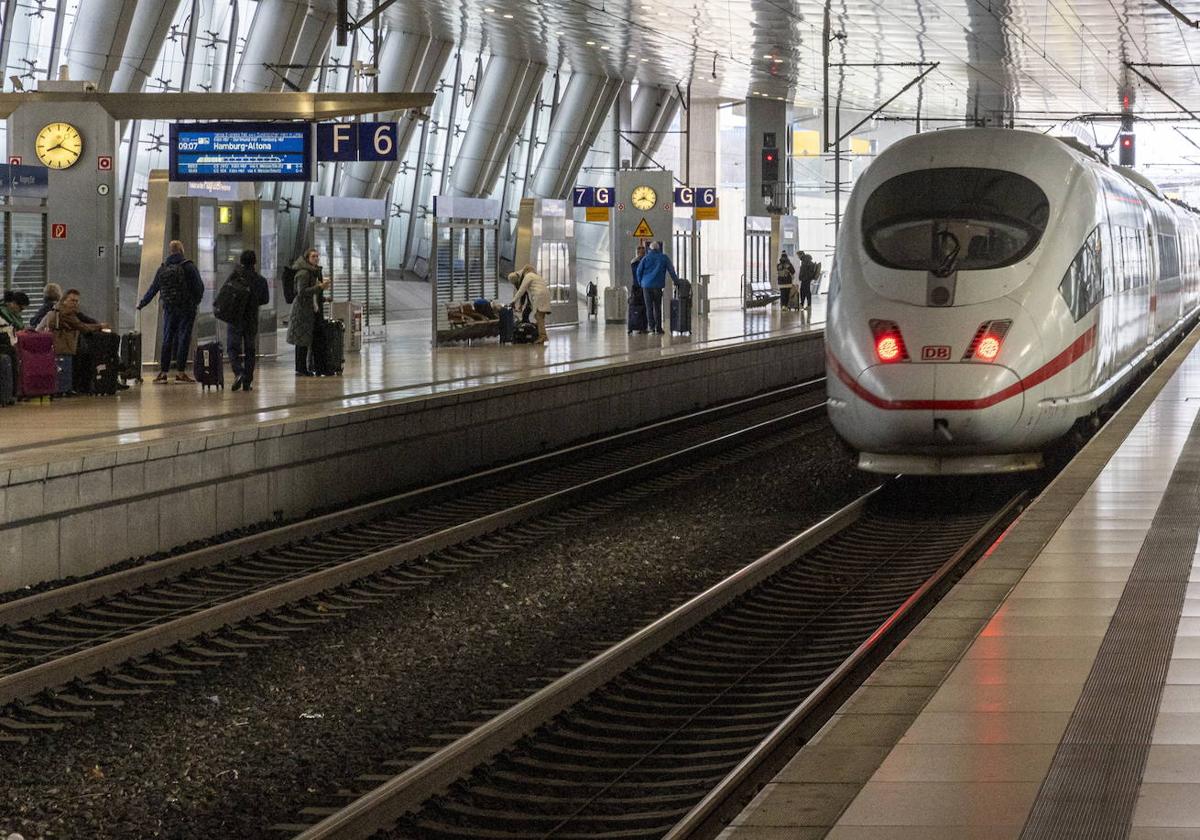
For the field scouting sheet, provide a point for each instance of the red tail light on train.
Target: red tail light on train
(988, 340)
(889, 343)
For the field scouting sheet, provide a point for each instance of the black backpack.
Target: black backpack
(289, 283)
(233, 301)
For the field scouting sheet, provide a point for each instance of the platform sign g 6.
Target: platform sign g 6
(695, 197)
(347, 141)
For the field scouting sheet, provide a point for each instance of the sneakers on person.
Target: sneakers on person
(160, 379)
(237, 384)
(183, 377)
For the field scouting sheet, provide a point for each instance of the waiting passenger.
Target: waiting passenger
(652, 275)
(243, 334)
(808, 273)
(308, 306)
(179, 282)
(66, 324)
(10, 309)
(785, 275)
(530, 282)
(51, 296)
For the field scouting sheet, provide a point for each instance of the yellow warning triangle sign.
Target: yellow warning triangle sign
(643, 229)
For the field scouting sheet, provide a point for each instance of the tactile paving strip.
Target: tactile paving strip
(1092, 786)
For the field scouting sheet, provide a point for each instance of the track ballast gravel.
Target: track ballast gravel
(230, 753)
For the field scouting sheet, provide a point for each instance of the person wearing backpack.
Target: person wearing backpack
(237, 305)
(178, 281)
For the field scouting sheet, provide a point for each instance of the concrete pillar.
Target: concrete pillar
(704, 142)
(272, 39)
(653, 110)
(147, 33)
(580, 115)
(502, 102)
(98, 40)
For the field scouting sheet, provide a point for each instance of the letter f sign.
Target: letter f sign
(341, 134)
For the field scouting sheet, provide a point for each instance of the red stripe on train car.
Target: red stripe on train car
(1059, 363)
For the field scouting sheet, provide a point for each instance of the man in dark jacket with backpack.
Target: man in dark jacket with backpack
(178, 281)
(245, 291)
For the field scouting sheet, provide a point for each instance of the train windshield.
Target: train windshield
(954, 219)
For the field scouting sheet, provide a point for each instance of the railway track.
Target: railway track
(656, 735)
(178, 616)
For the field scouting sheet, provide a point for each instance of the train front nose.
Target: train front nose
(930, 408)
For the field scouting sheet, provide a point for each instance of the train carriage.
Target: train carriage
(991, 290)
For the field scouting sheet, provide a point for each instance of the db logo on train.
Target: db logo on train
(935, 353)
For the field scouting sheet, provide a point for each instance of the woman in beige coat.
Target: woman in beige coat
(530, 282)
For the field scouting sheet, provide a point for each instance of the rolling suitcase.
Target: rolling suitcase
(508, 323)
(681, 316)
(209, 367)
(616, 305)
(37, 375)
(131, 356)
(66, 374)
(334, 359)
(105, 348)
(8, 389)
(636, 319)
(8, 371)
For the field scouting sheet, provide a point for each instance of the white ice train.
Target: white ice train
(991, 289)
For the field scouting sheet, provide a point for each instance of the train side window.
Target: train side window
(1083, 284)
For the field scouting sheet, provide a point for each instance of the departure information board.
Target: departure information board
(237, 151)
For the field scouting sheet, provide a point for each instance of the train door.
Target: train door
(1151, 268)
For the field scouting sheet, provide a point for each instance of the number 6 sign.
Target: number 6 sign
(377, 141)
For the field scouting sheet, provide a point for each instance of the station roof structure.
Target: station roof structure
(1018, 56)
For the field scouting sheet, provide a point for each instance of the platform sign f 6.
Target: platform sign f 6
(347, 141)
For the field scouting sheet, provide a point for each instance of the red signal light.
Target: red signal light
(1127, 142)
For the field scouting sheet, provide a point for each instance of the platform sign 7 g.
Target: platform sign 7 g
(345, 141)
(593, 197)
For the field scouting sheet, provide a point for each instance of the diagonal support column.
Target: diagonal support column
(580, 115)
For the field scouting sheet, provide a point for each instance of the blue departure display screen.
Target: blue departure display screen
(235, 151)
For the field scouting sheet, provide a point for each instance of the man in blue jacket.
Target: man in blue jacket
(652, 274)
(178, 281)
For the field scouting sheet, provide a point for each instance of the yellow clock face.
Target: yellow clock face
(59, 145)
(643, 197)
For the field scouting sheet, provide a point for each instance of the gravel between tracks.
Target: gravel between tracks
(229, 754)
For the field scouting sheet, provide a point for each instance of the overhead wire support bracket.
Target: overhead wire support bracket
(1178, 14)
(931, 66)
(1159, 88)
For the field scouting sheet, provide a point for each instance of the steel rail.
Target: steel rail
(699, 821)
(384, 805)
(28, 682)
(66, 597)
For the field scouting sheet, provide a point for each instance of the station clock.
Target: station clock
(59, 145)
(643, 197)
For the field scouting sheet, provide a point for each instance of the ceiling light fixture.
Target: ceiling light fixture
(605, 47)
(644, 60)
(508, 17)
(768, 55)
(489, 10)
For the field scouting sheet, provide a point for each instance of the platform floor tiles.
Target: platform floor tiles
(400, 368)
(1069, 715)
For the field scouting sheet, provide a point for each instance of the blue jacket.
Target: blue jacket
(184, 299)
(652, 271)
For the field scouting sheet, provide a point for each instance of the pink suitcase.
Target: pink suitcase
(38, 375)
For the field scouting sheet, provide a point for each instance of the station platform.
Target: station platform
(1055, 691)
(402, 368)
(87, 482)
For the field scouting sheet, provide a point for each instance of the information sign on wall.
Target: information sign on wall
(271, 151)
(695, 197)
